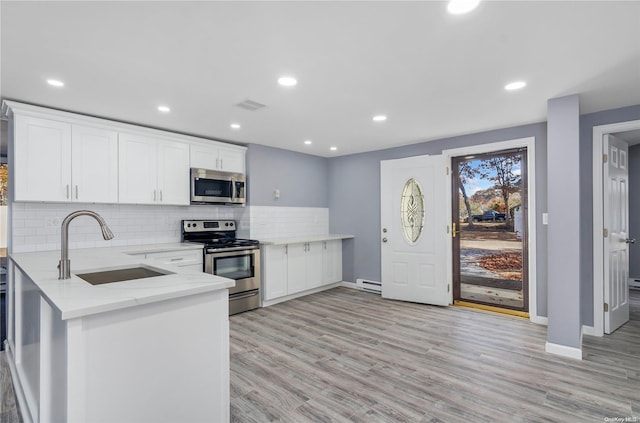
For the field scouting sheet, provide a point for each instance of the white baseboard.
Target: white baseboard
(563, 350)
(346, 284)
(540, 320)
(588, 330)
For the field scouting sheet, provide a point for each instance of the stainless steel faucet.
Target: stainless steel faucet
(64, 267)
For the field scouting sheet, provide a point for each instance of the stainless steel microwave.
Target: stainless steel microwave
(217, 187)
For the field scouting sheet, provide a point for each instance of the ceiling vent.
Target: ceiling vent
(250, 105)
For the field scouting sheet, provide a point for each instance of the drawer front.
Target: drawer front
(177, 258)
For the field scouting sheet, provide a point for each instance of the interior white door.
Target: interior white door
(616, 241)
(414, 230)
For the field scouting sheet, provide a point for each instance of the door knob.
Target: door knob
(630, 240)
(384, 230)
(384, 239)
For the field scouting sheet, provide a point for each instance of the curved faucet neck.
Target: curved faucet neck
(64, 265)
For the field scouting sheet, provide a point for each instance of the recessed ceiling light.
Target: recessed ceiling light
(55, 82)
(515, 85)
(235, 126)
(164, 109)
(333, 148)
(379, 118)
(287, 81)
(308, 142)
(459, 7)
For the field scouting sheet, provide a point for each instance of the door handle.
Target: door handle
(630, 240)
(76, 192)
(454, 232)
(384, 239)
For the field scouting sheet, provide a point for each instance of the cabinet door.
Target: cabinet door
(94, 165)
(173, 173)
(274, 271)
(231, 160)
(204, 156)
(314, 265)
(332, 261)
(297, 268)
(42, 160)
(137, 169)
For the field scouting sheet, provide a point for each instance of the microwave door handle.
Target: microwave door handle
(234, 194)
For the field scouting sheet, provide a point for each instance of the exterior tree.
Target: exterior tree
(466, 173)
(506, 181)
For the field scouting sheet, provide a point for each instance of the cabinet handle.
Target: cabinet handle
(76, 192)
(286, 249)
(154, 195)
(324, 243)
(221, 165)
(217, 163)
(177, 259)
(161, 196)
(67, 190)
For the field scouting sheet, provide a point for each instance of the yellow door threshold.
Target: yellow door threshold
(493, 309)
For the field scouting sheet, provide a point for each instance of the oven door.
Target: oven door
(242, 265)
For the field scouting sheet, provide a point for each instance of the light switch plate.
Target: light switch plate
(545, 218)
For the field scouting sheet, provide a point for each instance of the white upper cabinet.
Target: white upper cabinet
(67, 157)
(94, 165)
(42, 160)
(153, 171)
(231, 160)
(137, 169)
(62, 162)
(214, 156)
(173, 173)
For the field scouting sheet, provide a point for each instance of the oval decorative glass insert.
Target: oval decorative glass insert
(412, 210)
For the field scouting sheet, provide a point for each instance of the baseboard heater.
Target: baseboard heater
(368, 285)
(634, 283)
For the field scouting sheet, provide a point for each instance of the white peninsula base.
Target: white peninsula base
(163, 360)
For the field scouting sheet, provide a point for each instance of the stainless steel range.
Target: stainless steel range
(228, 256)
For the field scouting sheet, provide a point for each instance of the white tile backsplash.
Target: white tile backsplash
(36, 226)
(273, 222)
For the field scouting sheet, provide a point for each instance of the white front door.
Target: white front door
(616, 223)
(414, 230)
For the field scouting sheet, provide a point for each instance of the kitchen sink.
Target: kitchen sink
(120, 275)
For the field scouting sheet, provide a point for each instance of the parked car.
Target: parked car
(489, 216)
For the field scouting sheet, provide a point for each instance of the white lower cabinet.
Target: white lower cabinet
(274, 271)
(294, 268)
(190, 260)
(331, 261)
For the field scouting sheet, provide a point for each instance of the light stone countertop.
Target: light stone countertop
(301, 239)
(76, 298)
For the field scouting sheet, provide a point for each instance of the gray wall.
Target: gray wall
(354, 199)
(587, 122)
(563, 198)
(634, 210)
(350, 187)
(301, 178)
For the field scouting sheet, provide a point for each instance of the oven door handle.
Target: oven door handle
(222, 251)
(244, 295)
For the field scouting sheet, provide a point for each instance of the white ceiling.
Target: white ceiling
(433, 74)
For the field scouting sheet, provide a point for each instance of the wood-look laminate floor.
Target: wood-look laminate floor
(349, 356)
(9, 412)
